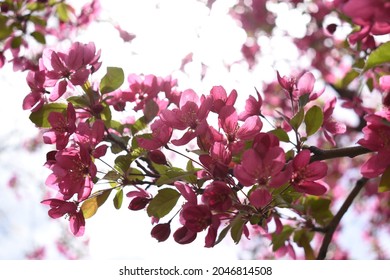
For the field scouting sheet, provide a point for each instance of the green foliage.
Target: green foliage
(237, 226)
(163, 203)
(39, 37)
(378, 56)
(279, 239)
(118, 199)
(91, 205)
(63, 10)
(319, 209)
(297, 120)
(384, 184)
(281, 134)
(113, 79)
(40, 118)
(313, 120)
(302, 238)
(173, 174)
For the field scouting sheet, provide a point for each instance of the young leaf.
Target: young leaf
(384, 184)
(90, 206)
(39, 37)
(223, 234)
(278, 240)
(237, 226)
(113, 79)
(379, 56)
(163, 203)
(313, 120)
(118, 199)
(297, 120)
(281, 134)
(40, 118)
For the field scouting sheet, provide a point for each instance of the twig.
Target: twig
(331, 228)
(351, 152)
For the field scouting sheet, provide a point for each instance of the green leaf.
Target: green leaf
(113, 79)
(278, 240)
(63, 11)
(237, 226)
(122, 163)
(348, 78)
(173, 174)
(79, 101)
(297, 120)
(118, 199)
(40, 118)
(91, 205)
(39, 37)
(16, 42)
(379, 56)
(222, 234)
(151, 110)
(281, 134)
(313, 120)
(163, 203)
(319, 209)
(303, 100)
(302, 238)
(133, 174)
(111, 176)
(139, 125)
(384, 184)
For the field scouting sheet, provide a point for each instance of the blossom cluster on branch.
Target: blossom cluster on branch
(241, 166)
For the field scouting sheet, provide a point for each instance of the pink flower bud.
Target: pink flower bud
(139, 203)
(158, 157)
(161, 232)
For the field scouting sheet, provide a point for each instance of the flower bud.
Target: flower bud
(139, 203)
(158, 157)
(161, 232)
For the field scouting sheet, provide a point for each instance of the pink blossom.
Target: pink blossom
(252, 107)
(161, 134)
(263, 163)
(305, 174)
(228, 121)
(190, 115)
(217, 196)
(217, 162)
(142, 89)
(90, 137)
(196, 217)
(35, 99)
(260, 197)
(329, 126)
(73, 66)
(61, 127)
(220, 98)
(376, 138)
(60, 208)
(184, 236)
(126, 36)
(73, 172)
(371, 15)
(161, 231)
(141, 198)
(304, 86)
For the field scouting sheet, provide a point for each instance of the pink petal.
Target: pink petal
(312, 188)
(301, 160)
(260, 197)
(58, 90)
(306, 83)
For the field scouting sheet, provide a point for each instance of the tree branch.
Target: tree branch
(331, 228)
(351, 152)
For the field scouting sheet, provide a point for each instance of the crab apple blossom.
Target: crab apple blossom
(376, 138)
(161, 232)
(190, 115)
(305, 174)
(73, 66)
(59, 208)
(218, 196)
(73, 173)
(61, 127)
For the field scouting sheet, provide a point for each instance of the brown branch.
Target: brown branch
(331, 228)
(350, 152)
